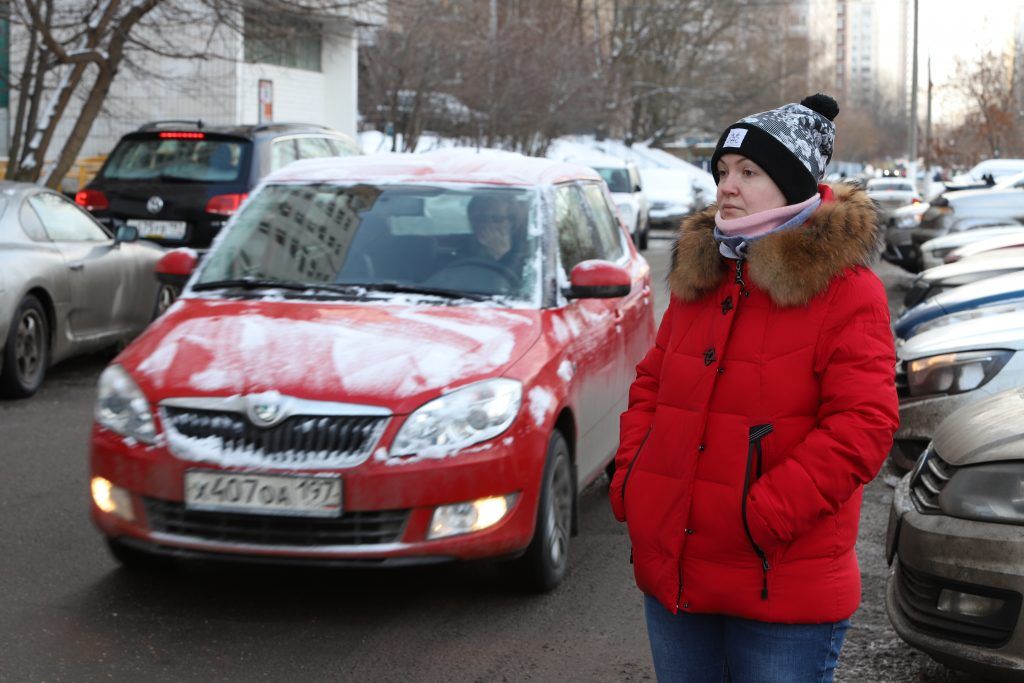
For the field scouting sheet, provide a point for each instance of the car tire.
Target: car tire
(165, 296)
(134, 559)
(644, 233)
(546, 560)
(26, 353)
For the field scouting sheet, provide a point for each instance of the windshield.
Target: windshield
(196, 160)
(409, 239)
(617, 179)
(889, 186)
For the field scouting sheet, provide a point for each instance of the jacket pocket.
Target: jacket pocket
(629, 470)
(755, 463)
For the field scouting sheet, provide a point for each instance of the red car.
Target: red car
(382, 360)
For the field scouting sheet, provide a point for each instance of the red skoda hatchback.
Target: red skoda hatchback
(382, 360)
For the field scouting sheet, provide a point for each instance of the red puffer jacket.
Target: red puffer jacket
(766, 404)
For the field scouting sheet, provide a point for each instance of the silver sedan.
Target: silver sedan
(67, 286)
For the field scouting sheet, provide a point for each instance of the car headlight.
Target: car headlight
(954, 373)
(122, 407)
(993, 492)
(462, 418)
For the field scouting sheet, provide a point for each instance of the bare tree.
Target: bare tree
(69, 53)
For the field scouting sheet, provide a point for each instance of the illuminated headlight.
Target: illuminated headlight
(111, 499)
(463, 518)
(992, 492)
(954, 373)
(121, 406)
(462, 418)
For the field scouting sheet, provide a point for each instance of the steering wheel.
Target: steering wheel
(498, 268)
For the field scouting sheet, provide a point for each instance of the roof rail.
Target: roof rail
(165, 123)
(267, 126)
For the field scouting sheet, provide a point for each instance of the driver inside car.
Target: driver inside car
(496, 230)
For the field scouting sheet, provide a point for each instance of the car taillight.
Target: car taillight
(92, 200)
(225, 204)
(915, 200)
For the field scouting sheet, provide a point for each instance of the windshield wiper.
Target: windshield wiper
(170, 178)
(419, 289)
(249, 282)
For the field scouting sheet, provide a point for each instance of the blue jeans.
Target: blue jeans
(709, 647)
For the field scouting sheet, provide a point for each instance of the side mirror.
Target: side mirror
(637, 188)
(176, 266)
(126, 233)
(595, 279)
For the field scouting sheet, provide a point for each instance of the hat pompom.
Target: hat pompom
(823, 104)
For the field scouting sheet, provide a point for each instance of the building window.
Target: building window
(271, 38)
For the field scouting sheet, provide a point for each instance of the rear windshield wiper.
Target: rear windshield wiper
(170, 178)
(419, 289)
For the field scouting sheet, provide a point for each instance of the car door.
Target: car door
(594, 338)
(100, 274)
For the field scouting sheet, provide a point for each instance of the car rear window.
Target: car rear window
(617, 179)
(888, 187)
(172, 158)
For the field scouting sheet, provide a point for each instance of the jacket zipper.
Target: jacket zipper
(629, 470)
(757, 433)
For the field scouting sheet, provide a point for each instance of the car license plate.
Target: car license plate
(263, 494)
(169, 230)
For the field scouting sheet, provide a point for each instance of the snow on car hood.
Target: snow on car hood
(986, 431)
(986, 201)
(1001, 260)
(394, 356)
(1003, 331)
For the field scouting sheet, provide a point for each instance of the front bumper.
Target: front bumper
(935, 552)
(388, 506)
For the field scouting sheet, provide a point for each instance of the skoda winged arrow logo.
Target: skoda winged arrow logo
(154, 204)
(265, 410)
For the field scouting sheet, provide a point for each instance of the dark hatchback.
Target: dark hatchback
(178, 182)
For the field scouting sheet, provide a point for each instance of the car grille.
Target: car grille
(351, 528)
(298, 441)
(917, 596)
(930, 477)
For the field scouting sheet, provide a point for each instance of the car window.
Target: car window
(609, 236)
(314, 148)
(177, 158)
(282, 153)
(576, 239)
(31, 224)
(617, 179)
(345, 148)
(65, 222)
(411, 236)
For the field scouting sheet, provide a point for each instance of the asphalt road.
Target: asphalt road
(68, 613)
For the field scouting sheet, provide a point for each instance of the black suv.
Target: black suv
(177, 182)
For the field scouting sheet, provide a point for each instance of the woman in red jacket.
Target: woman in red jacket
(765, 405)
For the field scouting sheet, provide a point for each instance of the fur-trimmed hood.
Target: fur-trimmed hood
(792, 265)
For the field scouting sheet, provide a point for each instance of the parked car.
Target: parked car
(948, 367)
(930, 282)
(349, 379)
(933, 252)
(986, 174)
(674, 194)
(68, 286)
(956, 543)
(891, 194)
(999, 243)
(177, 182)
(623, 179)
(967, 209)
(990, 291)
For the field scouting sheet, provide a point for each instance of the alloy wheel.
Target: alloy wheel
(29, 346)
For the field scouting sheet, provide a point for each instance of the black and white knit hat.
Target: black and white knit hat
(793, 144)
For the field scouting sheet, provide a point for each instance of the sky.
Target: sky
(948, 29)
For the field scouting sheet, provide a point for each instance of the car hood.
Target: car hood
(986, 200)
(958, 239)
(1006, 286)
(1005, 260)
(986, 431)
(390, 355)
(1001, 331)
